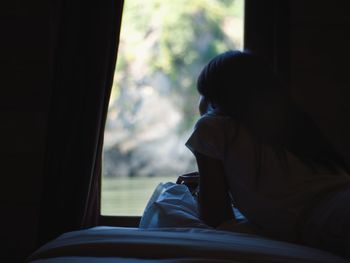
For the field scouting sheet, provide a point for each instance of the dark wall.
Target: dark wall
(24, 100)
(319, 65)
(318, 55)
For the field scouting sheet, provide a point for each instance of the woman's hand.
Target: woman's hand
(191, 180)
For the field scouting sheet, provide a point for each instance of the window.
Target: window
(153, 106)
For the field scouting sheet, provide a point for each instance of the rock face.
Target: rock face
(143, 139)
(153, 106)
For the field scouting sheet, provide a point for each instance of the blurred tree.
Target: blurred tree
(163, 47)
(173, 40)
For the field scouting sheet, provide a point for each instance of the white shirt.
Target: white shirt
(275, 199)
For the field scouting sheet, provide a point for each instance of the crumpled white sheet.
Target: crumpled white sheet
(171, 205)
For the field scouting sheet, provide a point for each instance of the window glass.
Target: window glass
(153, 105)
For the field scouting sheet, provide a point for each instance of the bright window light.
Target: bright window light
(153, 106)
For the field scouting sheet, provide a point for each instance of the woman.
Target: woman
(255, 147)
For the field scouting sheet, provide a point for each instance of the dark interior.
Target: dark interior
(57, 60)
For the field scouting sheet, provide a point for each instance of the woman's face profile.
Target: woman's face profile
(203, 105)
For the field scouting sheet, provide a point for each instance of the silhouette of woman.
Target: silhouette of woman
(255, 147)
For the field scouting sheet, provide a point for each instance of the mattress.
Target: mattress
(117, 244)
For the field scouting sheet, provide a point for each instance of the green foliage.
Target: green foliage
(180, 36)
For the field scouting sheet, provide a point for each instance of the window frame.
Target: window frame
(266, 32)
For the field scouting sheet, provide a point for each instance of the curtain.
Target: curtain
(267, 33)
(84, 40)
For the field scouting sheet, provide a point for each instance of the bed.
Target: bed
(180, 237)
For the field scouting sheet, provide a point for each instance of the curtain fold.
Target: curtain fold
(267, 33)
(84, 41)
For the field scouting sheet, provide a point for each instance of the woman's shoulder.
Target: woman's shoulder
(217, 127)
(214, 119)
(210, 135)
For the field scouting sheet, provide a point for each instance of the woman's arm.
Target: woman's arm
(214, 201)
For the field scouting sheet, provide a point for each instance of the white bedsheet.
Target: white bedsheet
(114, 244)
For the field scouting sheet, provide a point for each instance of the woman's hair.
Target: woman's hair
(244, 87)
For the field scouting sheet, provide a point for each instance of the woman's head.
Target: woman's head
(239, 83)
(242, 86)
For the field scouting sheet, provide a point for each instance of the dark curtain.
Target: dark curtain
(267, 33)
(84, 40)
